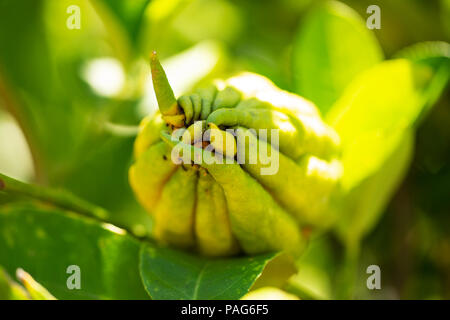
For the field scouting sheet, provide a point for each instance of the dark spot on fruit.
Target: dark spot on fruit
(164, 157)
(307, 231)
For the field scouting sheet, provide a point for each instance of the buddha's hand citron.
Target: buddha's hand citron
(254, 165)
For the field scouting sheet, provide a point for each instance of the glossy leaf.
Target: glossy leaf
(332, 46)
(436, 55)
(374, 111)
(35, 290)
(45, 242)
(377, 149)
(10, 289)
(316, 270)
(362, 207)
(172, 274)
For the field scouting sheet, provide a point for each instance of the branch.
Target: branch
(59, 198)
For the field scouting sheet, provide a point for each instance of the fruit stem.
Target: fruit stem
(167, 103)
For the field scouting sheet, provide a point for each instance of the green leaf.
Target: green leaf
(129, 14)
(9, 289)
(62, 121)
(26, 71)
(376, 117)
(364, 204)
(34, 94)
(316, 269)
(172, 274)
(330, 49)
(436, 55)
(374, 111)
(45, 242)
(35, 290)
(425, 51)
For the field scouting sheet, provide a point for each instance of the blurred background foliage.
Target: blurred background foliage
(70, 100)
